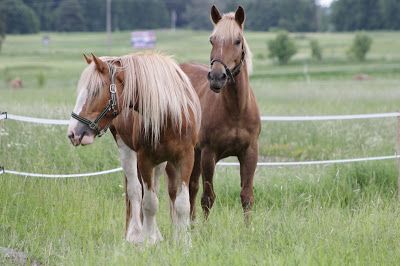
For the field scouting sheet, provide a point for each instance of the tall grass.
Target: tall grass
(329, 215)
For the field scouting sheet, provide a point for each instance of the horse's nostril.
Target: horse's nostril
(209, 75)
(70, 135)
(223, 76)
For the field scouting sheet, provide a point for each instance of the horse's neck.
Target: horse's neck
(236, 94)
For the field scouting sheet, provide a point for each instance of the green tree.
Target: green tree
(2, 25)
(19, 18)
(94, 12)
(262, 15)
(360, 47)
(179, 7)
(43, 10)
(390, 14)
(148, 14)
(69, 17)
(349, 15)
(197, 13)
(282, 48)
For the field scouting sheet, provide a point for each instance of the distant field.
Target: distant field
(335, 215)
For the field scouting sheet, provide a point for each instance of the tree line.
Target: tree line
(350, 15)
(30, 16)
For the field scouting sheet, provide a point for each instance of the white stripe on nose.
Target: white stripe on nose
(80, 102)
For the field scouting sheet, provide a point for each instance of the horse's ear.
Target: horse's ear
(215, 15)
(88, 60)
(240, 16)
(100, 65)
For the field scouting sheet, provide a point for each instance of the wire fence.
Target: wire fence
(5, 115)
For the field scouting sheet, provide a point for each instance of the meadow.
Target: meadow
(316, 215)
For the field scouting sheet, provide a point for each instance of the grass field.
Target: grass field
(326, 215)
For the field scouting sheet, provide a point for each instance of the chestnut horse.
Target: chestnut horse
(154, 115)
(230, 117)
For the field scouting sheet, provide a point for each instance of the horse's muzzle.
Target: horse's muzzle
(217, 81)
(84, 138)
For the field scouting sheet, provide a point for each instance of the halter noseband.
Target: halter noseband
(232, 73)
(111, 106)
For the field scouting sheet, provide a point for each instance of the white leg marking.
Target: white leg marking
(128, 159)
(150, 234)
(181, 216)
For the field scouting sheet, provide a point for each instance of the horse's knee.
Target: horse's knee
(193, 187)
(150, 203)
(182, 204)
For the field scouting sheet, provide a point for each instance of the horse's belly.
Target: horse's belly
(227, 142)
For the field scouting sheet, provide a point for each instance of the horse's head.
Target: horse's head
(99, 89)
(228, 47)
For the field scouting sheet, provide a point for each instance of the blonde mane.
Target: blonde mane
(163, 91)
(228, 30)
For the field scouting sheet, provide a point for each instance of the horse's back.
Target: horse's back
(197, 74)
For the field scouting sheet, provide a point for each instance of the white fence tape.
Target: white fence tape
(324, 162)
(11, 172)
(37, 120)
(259, 164)
(263, 118)
(328, 117)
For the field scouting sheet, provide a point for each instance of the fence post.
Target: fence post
(398, 153)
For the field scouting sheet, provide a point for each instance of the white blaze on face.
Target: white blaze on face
(73, 123)
(80, 101)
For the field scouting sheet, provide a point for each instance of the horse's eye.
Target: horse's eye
(237, 42)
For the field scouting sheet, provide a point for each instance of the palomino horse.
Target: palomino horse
(230, 117)
(154, 115)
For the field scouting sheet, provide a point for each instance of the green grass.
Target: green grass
(329, 215)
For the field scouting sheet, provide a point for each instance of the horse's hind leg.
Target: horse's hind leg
(150, 232)
(178, 189)
(248, 164)
(208, 162)
(133, 192)
(194, 183)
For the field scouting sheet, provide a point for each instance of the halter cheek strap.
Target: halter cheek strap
(232, 73)
(111, 106)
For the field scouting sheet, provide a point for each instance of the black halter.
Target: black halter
(111, 106)
(232, 73)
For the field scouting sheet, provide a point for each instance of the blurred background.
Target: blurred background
(309, 57)
(31, 16)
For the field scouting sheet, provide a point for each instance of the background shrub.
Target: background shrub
(360, 47)
(282, 48)
(316, 51)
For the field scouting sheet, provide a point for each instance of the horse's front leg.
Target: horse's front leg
(194, 183)
(248, 164)
(133, 192)
(178, 190)
(208, 161)
(150, 232)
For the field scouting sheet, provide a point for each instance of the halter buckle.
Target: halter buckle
(93, 126)
(113, 88)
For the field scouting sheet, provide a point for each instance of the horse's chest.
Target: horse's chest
(225, 138)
